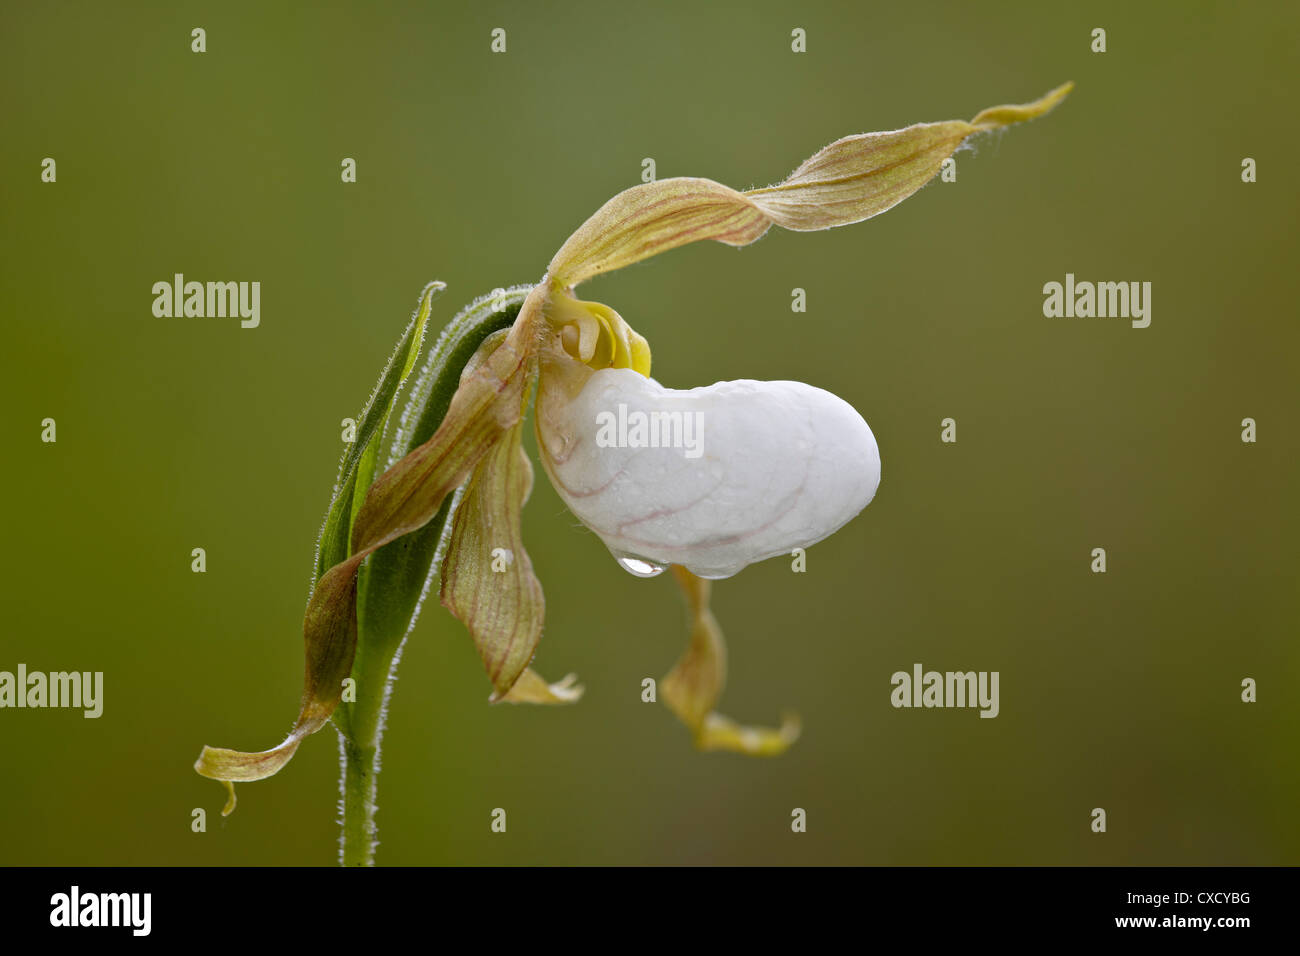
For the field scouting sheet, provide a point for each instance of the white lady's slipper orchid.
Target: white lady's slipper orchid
(712, 479)
(757, 468)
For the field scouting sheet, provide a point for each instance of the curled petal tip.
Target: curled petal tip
(231, 799)
(532, 688)
(996, 116)
(723, 733)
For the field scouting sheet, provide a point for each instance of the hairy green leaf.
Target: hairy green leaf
(357, 468)
(394, 581)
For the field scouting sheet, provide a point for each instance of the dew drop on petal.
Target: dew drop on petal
(639, 567)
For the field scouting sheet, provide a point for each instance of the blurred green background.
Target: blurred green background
(1118, 690)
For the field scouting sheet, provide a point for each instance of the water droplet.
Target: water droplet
(720, 574)
(639, 566)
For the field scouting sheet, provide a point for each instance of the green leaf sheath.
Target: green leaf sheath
(359, 456)
(393, 581)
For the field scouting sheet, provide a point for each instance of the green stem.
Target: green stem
(358, 839)
(361, 730)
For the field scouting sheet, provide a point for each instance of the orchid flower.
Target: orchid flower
(705, 480)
